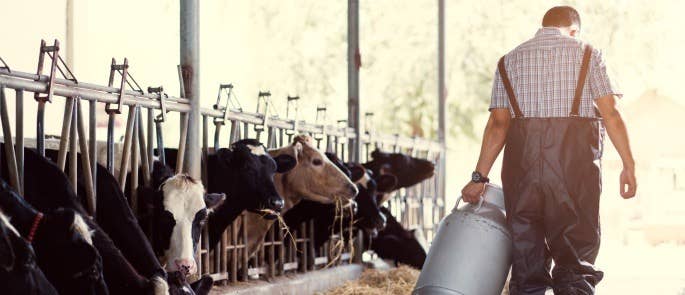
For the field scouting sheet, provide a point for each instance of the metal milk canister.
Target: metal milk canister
(471, 251)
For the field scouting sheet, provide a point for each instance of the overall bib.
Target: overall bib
(552, 182)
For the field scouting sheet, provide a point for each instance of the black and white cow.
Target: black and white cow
(408, 170)
(62, 242)
(244, 173)
(19, 273)
(180, 209)
(398, 244)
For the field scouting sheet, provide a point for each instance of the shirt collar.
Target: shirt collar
(548, 31)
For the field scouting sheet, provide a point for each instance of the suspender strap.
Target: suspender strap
(510, 90)
(581, 80)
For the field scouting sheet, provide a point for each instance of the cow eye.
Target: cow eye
(317, 162)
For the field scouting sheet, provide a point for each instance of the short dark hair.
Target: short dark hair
(561, 16)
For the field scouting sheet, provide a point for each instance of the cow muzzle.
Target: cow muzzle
(185, 266)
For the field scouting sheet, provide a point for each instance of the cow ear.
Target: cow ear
(285, 163)
(6, 252)
(357, 172)
(378, 154)
(203, 285)
(386, 183)
(213, 200)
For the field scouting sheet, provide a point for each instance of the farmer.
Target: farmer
(551, 102)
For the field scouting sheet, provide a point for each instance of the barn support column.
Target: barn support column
(353, 65)
(190, 70)
(442, 96)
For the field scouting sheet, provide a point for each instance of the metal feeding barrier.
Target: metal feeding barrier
(420, 206)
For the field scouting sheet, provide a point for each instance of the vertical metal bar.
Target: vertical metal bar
(19, 148)
(73, 146)
(442, 97)
(353, 65)
(85, 159)
(126, 152)
(70, 33)
(234, 254)
(160, 142)
(135, 152)
(9, 146)
(205, 148)
(182, 143)
(190, 68)
(142, 149)
(245, 256)
(64, 139)
(111, 117)
(150, 137)
(40, 128)
(92, 139)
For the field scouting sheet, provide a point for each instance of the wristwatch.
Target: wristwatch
(479, 178)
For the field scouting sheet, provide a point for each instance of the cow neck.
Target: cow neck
(23, 217)
(223, 216)
(290, 197)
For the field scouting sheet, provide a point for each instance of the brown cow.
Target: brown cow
(314, 178)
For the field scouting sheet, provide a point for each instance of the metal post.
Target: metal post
(190, 68)
(442, 96)
(70, 33)
(353, 65)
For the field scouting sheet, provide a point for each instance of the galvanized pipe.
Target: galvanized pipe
(86, 163)
(353, 65)
(442, 97)
(9, 146)
(64, 136)
(40, 126)
(126, 152)
(92, 140)
(142, 149)
(19, 147)
(134, 162)
(73, 146)
(190, 69)
(182, 143)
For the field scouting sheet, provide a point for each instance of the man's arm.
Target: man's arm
(493, 141)
(618, 134)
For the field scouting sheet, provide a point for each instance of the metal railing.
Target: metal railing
(228, 261)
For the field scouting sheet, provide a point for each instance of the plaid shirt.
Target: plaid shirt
(544, 72)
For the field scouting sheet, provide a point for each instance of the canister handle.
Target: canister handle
(480, 203)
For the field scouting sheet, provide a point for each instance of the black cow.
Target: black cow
(244, 173)
(62, 241)
(408, 170)
(19, 273)
(396, 243)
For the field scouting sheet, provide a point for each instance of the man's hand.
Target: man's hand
(628, 183)
(472, 192)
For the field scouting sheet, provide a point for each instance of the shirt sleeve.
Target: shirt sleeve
(498, 99)
(600, 83)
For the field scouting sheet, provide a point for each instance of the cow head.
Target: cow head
(408, 170)
(64, 246)
(245, 171)
(314, 177)
(181, 208)
(369, 217)
(18, 271)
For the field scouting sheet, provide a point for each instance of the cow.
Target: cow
(180, 209)
(62, 241)
(314, 178)
(401, 246)
(47, 188)
(367, 215)
(19, 273)
(408, 170)
(244, 172)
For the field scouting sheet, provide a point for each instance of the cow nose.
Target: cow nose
(276, 204)
(186, 266)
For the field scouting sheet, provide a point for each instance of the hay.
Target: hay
(397, 281)
(336, 248)
(284, 227)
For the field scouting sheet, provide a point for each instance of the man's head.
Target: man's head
(566, 18)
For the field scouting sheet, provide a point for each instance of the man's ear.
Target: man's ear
(285, 163)
(386, 183)
(213, 200)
